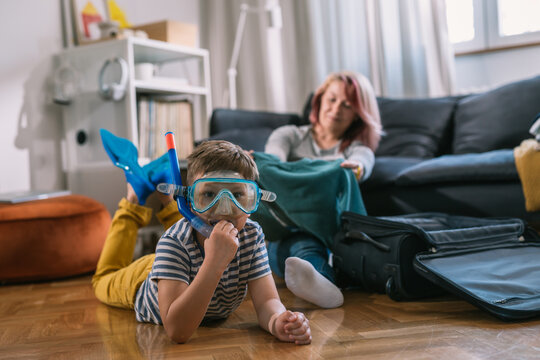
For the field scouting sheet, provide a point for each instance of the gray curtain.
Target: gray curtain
(402, 46)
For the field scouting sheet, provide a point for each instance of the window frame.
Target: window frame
(486, 32)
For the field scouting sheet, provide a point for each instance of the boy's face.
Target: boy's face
(224, 208)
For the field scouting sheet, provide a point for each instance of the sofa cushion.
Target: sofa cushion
(497, 119)
(467, 199)
(415, 127)
(386, 171)
(467, 168)
(51, 238)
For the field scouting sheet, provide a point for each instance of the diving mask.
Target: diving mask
(219, 191)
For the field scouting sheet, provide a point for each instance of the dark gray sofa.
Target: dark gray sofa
(451, 154)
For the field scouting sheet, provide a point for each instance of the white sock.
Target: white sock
(307, 283)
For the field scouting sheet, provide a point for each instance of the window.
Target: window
(479, 25)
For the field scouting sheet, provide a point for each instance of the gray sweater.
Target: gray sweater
(291, 143)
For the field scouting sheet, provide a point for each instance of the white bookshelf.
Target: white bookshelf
(184, 71)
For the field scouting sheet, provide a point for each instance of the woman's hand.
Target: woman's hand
(292, 327)
(349, 164)
(357, 168)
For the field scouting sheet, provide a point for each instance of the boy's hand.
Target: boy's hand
(292, 327)
(222, 244)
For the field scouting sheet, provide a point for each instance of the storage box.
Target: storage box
(171, 31)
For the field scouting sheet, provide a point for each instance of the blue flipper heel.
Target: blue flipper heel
(124, 155)
(159, 170)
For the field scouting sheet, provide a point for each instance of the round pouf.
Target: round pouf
(51, 238)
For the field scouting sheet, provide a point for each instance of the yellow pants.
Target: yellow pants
(117, 278)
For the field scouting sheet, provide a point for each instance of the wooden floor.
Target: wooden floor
(63, 320)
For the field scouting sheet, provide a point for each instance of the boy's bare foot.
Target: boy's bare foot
(165, 199)
(131, 196)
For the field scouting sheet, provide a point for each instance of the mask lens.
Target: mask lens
(205, 193)
(245, 195)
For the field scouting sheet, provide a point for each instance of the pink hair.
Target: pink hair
(367, 127)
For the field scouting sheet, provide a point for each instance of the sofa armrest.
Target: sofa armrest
(497, 165)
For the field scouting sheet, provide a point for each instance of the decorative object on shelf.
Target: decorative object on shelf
(276, 21)
(170, 31)
(66, 83)
(144, 71)
(69, 31)
(87, 15)
(109, 29)
(97, 20)
(114, 91)
(117, 14)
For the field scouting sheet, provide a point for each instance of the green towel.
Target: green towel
(311, 195)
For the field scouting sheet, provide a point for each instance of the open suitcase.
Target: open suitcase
(492, 263)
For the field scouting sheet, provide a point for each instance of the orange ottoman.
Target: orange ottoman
(51, 238)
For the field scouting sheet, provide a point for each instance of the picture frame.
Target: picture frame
(86, 15)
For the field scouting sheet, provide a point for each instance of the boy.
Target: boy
(191, 278)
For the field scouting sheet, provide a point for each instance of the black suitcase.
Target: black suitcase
(492, 263)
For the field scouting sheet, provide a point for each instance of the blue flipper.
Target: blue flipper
(159, 170)
(124, 154)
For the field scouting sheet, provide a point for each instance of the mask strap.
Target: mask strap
(268, 196)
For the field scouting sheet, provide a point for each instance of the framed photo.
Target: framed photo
(87, 14)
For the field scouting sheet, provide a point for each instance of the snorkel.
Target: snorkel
(195, 221)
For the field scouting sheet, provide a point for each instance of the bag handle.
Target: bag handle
(362, 236)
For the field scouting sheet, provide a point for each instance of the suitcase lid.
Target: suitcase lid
(503, 279)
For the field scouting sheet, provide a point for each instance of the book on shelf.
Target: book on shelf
(158, 115)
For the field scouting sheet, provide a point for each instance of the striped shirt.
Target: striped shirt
(179, 257)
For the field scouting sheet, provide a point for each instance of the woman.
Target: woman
(345, 124)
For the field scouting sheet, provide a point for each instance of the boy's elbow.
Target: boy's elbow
(180, 339)
(177, 335)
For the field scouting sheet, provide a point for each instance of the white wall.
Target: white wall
(30, 124)
(481, 72)
(30, 31)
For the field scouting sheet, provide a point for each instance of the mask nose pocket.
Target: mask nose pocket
(224, 205)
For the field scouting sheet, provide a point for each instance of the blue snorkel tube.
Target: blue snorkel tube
(195, 221)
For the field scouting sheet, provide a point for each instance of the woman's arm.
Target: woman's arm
(280, 142)
(360, 159)
(273, 317)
